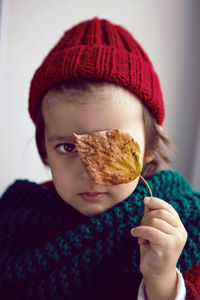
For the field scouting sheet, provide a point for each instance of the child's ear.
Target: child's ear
(44, 157)
(148, 158)
(46, 161)
(43, 154)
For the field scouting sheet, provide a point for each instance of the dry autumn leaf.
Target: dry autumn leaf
(110, 157)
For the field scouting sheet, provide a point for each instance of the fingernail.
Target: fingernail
(147, 199)
(132, 230)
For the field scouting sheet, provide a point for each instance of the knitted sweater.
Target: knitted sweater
(48, 250)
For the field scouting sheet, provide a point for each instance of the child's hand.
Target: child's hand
(161, 236)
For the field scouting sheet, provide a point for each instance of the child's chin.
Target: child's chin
(91, 214)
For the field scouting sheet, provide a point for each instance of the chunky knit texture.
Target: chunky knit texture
(102, 50)
(48, 250)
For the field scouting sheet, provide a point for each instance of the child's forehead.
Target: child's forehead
(101, 94)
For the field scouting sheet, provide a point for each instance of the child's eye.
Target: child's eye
(66, 148)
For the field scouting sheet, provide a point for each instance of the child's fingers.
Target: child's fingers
(156, 203)
(160, 214)
(161, 225)
(146, 209)
(151, 234)
(142, 241)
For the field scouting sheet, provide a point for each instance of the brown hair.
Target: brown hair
(158, 145)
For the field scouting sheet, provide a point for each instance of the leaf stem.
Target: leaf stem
(147, 186)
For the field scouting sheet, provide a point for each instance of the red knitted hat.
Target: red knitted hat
(102, 50)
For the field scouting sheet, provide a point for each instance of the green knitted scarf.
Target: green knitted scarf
(48, 250)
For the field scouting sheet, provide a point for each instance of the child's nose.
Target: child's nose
(82, 171)
(84, 177)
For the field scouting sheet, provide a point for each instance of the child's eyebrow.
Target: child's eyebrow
(60, 138)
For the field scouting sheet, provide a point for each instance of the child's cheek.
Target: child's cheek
(122, 191)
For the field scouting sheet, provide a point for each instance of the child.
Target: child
(72, 238)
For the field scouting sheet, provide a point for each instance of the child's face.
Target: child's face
(109, 107)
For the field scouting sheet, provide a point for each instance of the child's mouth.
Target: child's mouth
(92, 196)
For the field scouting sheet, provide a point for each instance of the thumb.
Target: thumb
(146, 208)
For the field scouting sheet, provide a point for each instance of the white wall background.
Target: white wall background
(169, 31)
